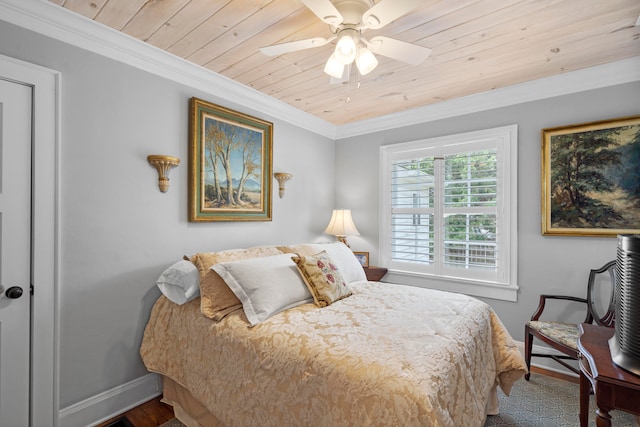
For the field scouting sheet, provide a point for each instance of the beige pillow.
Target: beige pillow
(323, 278)
(216, 299)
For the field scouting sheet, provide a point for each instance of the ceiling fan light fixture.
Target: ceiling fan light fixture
(333, 67)
(346, 48)
(366, 61)
(348, 20)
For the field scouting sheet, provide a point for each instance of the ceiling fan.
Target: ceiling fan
(348, 20)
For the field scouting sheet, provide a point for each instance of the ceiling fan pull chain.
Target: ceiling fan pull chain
(348, 100)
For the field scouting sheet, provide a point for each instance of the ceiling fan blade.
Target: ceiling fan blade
(388, 10)
(279, 49)
(325, 10)
(396, 49)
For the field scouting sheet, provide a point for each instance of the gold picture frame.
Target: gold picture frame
(230, 164)
(363, 258)
(591, 178)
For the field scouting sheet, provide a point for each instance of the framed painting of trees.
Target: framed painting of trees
(230, 162)
(591, 178)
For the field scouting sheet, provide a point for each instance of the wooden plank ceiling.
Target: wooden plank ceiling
(478, 45)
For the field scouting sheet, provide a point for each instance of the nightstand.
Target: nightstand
(614, 388)
(374, 274)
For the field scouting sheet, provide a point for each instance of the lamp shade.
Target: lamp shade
(365, 61)
(334, 67)
(341, 224)
(346, 48)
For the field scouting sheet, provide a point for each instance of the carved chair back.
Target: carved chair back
(601, 295)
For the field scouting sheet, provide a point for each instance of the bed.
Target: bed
(362, 354)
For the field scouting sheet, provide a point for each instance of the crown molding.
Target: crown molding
(53, 21)
(613, 73)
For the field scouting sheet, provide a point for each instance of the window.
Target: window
(449, 211)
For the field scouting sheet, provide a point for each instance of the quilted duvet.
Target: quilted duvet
(388, 355)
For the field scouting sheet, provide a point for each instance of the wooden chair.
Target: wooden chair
(564, 336)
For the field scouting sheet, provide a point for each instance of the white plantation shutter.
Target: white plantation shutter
(412, 210)
(470, 196)
(449, 207)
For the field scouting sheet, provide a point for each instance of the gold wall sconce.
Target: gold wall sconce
(163, 164)
(282, 177)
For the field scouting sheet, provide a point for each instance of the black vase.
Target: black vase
(625, 344)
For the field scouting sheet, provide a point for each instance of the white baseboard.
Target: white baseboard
(108, 404)
(544, 363)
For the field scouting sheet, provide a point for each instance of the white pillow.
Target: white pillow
(265, 285)
(347, 263)
(180, 282)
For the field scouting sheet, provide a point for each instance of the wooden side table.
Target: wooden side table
(614, 388)
(374, 274)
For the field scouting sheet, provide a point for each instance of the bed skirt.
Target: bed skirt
(192, 413)
(187, 408)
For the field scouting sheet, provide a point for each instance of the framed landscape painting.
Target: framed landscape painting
(591, 178)
(230, 162)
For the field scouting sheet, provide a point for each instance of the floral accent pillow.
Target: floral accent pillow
(322, 278)
(342, 257)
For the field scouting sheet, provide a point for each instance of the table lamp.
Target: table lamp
(341, 225)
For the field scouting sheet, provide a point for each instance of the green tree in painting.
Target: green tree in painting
(630, 175)
(578, 170)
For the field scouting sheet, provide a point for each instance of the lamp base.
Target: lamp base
(343, 239)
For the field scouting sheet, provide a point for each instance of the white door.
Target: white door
(15, 252)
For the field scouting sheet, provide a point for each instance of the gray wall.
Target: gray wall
(118, 232)
(547, 264)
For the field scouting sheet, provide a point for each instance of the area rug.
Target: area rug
(547, 402)
(541, 402)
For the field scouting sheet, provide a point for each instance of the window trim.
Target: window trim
(507, 137)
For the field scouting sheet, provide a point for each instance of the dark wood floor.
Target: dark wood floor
(155, 413)
(150, 414)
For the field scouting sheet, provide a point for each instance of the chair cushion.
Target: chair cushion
(564, 333)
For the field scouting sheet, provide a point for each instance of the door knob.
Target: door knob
(14, 292)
